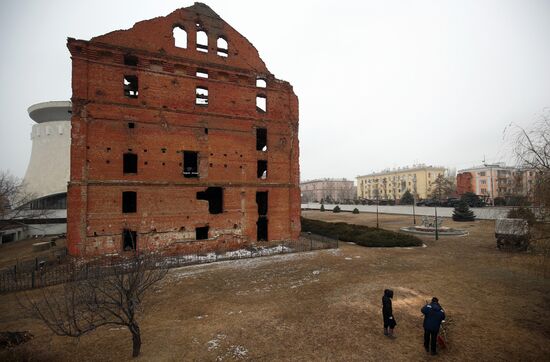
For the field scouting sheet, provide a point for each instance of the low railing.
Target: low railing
(47, 274)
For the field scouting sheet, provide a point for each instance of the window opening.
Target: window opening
(129, 238)
(261, 83)
(130, 163)
(129, 202)
(261, 139)
(202, 73)
(261, 200)
(202, 41)
(131, 86)
(180, 37)
(131, 125)
(206, 131)
(190, 164)
(222, 47)
(130, 60)
(201, 233)
(214, 196)
(202, 96)
(261, 103)
(261, 225)
(262, 169)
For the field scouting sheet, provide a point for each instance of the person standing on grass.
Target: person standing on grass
(387, 313)
(433, 316)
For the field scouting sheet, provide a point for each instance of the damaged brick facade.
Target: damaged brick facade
(182, 140)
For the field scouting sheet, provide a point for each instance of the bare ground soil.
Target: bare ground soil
(326, 305)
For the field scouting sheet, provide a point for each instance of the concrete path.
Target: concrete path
(486, 213)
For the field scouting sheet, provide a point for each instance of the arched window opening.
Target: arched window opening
(222, 47)
(261, 83)
(202, 41)
(201, 96)
(261, 103)
(130, 86)
(180, 37)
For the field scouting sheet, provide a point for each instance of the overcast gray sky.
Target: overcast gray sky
(381, 84)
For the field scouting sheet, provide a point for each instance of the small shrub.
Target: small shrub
(517, 201)
(336, 209)
(523, 213)
(322, 207)
(355, 211)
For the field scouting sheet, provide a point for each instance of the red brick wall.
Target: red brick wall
(464, 183)
(167, 122)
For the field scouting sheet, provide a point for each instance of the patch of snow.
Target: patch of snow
(335, 252)
(239, 352)
(316, 272)
(241, 253)
(351, 243)
(185, 271)
(117, 329)
(201, 316)
(348, 258)
(357, 256)
(424, 245)
(215, 343)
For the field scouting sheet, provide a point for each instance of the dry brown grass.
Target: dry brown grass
(325, 305)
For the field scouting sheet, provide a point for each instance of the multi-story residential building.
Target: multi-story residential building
(332, 190)
(392, 184)
(497, 180)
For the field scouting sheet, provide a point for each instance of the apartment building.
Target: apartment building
(328, 189)
(392, 184)
(496, 180)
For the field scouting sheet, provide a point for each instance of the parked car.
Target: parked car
(450, 202)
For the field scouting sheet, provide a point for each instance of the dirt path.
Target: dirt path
(325, 305)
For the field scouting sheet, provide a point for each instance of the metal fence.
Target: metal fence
(47, 274)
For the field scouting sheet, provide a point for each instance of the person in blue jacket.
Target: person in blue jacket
(387, 313)
(433, 316)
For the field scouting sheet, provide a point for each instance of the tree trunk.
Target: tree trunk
(136, 339)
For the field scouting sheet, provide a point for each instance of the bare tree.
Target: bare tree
(531, 147)
(15, 202)
(442, 188)
(100, 294)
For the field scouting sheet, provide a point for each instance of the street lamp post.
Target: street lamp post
(414, 214)
(436, 232)
(377, 202)
(414, 198)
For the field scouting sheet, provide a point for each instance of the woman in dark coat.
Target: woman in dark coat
(387, 313)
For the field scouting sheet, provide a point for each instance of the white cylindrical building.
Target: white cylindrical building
(49, 166)
(48, 170)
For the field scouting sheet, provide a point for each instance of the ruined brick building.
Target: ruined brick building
(181, 140)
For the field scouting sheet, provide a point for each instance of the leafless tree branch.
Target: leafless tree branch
(112, 294)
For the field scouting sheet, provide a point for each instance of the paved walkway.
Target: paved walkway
(486, 213)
